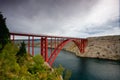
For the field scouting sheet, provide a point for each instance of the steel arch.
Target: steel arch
(80, 44)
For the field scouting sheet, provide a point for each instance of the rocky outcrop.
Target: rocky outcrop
(107, 47)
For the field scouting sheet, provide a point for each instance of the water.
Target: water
(86, 68)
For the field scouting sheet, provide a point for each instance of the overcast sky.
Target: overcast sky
(76, 18)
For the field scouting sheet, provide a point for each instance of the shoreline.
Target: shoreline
(91, 57)
(72, 52)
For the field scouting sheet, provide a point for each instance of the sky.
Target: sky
(72, 18)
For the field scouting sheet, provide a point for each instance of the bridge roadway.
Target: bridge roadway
(58, 42)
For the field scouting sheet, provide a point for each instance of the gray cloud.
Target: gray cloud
(54, 17)
(110, 28)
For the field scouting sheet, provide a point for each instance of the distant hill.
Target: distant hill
(107, 47)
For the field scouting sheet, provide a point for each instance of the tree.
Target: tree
(4, 32)
(22, 50)
(21, 54)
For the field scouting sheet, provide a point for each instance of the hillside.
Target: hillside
(106, 47)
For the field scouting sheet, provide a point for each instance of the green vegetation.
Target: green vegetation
(4, 32)
(27, 68)
(22, 50)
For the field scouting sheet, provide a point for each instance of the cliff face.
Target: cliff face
(107, 47)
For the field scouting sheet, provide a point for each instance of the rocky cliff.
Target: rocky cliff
(107, 47)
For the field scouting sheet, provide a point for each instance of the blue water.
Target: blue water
(86, 68)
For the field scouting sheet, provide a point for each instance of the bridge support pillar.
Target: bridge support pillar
(28, 44)
(44, 48)
(83, 44)
(12, 37)
(32, 45)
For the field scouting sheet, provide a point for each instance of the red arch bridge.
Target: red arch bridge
(56, 43)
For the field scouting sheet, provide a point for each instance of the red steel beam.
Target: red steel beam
(55, 43)
(13, 38)
(37, 35)
(51, 45)
(28, 44)
(46, 49)
(81, 46)
(42, 46)
(32, 45)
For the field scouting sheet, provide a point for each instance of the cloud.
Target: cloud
(104, 11)
(77, 18)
